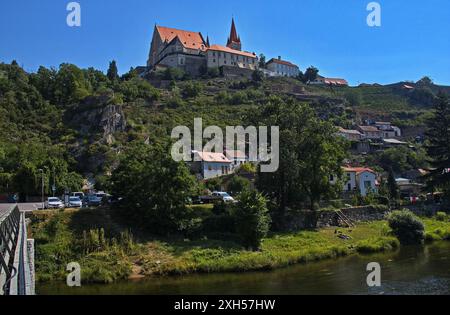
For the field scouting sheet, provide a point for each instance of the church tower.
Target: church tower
(234, 41)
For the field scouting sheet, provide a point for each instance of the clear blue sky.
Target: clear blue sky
(332, 35)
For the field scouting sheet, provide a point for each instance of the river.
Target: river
(410, 270)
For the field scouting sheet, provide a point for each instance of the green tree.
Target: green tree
(262, 61)
(154, 188)
(238, 184)
(392, 186)
(310, 74)
(252, 218)
(438, 146)
(113, 72)
(309, 153)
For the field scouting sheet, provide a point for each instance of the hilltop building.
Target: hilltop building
(190, 52)
(282, 68)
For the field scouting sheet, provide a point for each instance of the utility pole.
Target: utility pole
(43, 202)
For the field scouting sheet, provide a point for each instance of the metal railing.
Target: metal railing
(9, 234)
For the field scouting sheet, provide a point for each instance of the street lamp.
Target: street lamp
(43, 203)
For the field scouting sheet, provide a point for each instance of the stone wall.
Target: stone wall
(301, 220)
(236, 72)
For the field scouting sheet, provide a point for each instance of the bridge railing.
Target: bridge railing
(9, 235)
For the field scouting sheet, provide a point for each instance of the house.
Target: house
(361, 179)
(370, 132)
(408, 188)
(390, 143)
(236, 157)
(190, 52)
(282, 68)
(211, 165)
(320, 80)
(351, 135)
(389, 131)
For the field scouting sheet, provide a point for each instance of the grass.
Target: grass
(107, 252)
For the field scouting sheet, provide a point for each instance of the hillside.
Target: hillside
(72, 122)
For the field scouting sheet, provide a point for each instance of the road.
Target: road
(4, 207)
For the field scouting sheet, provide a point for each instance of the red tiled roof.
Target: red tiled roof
(335, 81)
(282, 62)
(231, 51)
(192, 40)
(358, 170)
(213, 157)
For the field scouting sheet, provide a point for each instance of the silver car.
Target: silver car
(75, 202)
(54, 203)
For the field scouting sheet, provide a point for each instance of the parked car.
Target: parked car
(94, 201)
(225, 197)
(54, 203)
(79, 195)
(75, 202)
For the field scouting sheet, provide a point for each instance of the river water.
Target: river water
(410, 270)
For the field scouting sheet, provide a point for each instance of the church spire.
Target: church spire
(234, 40)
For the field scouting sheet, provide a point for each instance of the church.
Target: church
(192, 53)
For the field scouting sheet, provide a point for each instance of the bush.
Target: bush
(192, 89)
(407, 227)
(441, 216)
(238, 184)
(252, 218)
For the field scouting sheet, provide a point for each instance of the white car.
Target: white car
(75, 202)
(54, 203)
(225, 197)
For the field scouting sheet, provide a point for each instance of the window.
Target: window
(209, 168)
(367, 184)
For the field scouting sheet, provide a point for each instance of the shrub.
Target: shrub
(407, 227)
(252, 218)
(238, 184)
(192, 89)
(441, 216)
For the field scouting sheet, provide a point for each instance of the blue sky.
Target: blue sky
(332, 35)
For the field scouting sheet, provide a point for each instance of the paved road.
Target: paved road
(5, 207)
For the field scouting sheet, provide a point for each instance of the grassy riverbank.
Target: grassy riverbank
(107, 252)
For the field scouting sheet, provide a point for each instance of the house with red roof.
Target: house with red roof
(320, 80)
(358, 179)
(211, 165)
(282, 68)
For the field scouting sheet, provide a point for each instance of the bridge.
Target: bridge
(16, 252)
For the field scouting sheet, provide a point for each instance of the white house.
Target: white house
(360, 179)
(236, 157)
(282, 68)
(212, 165)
